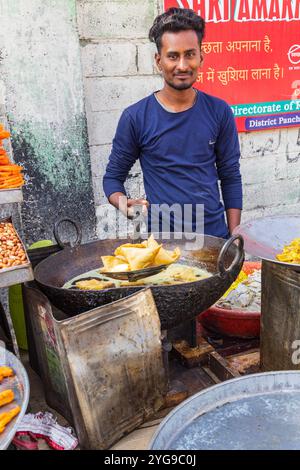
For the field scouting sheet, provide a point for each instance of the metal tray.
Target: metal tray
(20, 385)
(265, 237)
(255, 412)
(16, 274)
(9, 196)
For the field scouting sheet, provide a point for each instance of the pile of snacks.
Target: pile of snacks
(10, 174)
(11, 250)
(245, 292)
(131, 257)
(291, 252)
(7, 396)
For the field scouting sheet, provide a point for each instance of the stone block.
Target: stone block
(117, 93)
(259, 144)
(109, 59)
(258, 169)
(99, 159)
(145, 59)
(285, 192)
(115, 18)
(102, 126)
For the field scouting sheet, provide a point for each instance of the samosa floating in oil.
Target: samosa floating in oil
(133, 257)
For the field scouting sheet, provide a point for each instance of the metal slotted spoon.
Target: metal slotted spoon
(137, 274)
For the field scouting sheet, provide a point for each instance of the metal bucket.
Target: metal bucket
(259, 411)
(280, 318)
(103, 369)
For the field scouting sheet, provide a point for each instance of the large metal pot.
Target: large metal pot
(254, 412)
(175, 303)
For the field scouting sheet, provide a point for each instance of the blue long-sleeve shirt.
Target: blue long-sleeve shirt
(182, 156)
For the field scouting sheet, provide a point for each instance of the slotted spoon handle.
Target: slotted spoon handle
(138, 213)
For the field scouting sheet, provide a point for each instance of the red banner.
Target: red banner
(251, 58)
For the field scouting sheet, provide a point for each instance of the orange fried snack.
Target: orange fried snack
(10, 174)
(5, 372)
(135, 256)
(7, 416)
(7, 396)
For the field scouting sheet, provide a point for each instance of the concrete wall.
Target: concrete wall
(118, 70)
(270, 167)
(41, 68)
(8, 210)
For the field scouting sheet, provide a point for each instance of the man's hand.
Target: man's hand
(136, 202)
(233, 219)
(126, 206)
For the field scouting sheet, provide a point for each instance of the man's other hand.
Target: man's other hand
(131, 203)
(126, 206)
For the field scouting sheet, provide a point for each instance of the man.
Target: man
(185, 139)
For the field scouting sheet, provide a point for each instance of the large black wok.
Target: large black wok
(175, 303)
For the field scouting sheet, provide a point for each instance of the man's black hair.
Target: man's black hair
(175, 20)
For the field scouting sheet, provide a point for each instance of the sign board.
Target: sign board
(251, 58)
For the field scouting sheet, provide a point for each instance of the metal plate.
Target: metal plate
(265, 237)
(20, 385)
(259, 411)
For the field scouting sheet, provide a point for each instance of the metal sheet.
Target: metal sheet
(103, 366)
(265, 237)
(260, 411)
(280, 319)
(20, 385)
(16, 275)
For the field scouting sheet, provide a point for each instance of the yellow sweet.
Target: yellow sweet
(94, 284)
(291, 252)
(241, 277)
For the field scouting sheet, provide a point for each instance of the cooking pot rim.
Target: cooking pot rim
(67, 249)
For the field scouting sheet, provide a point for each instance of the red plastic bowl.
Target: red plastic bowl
(236, 323)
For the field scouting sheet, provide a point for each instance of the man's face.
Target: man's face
(179, 58)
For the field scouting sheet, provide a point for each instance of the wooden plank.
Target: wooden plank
(211, 375)
(176, 394)
(192, 356)
(248, 363)
(220, 368)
